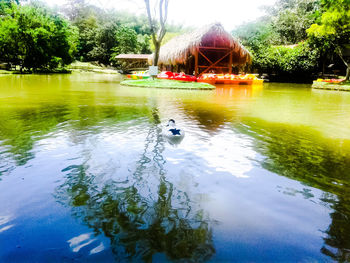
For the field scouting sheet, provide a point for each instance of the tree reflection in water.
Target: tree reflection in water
(303, 155)
(337, 241)
(138, 220)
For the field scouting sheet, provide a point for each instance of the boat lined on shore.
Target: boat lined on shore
(138, 75)
(330, 80)
(243, 79)
(211, 78)
(176, 76)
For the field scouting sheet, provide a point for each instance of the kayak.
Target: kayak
(138, 75)
(232, 79)
(165, 75)
(207, 78)
(330, 80)
(176, 76)
(184, 77)
(211, 78)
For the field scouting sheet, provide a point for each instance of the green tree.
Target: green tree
(88, 30)
(257, 35)
(292, 22)
(332, 33)
(267, 39)
(287, 63)
(6, 4)
(8, 40)
(144, 44)
(98, 29)
(35, 38)
(104, 43)
(291, 18)
(127, 41)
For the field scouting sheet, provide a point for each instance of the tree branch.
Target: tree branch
(162, 19)
(157, 37)
(149, 15)
(341, 56)
(166, 11)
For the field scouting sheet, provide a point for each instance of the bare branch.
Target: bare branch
(149, 15)
(155, 8)
(157, 37)
(166, 10)
(341, 56)
(161, 12)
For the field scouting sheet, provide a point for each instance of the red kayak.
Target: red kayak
(184, 77)
(176, 76)
(165, 75)
(207, 78)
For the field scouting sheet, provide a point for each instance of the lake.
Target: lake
(262, 174)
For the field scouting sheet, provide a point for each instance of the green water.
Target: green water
(86, 175)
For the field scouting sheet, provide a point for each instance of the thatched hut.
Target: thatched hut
(208, 49)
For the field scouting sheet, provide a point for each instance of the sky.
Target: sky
(196, 13)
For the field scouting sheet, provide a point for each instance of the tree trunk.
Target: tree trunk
(157, 38)
(323, 67)
(347, 64)
(156, 54)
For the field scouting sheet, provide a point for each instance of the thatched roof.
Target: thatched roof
(178, 49)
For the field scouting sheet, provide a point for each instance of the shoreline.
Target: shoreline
(330, 86)
(69, 69)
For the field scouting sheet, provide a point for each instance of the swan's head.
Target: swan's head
(171, 123)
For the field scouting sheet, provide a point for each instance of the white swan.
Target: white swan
(172, 134)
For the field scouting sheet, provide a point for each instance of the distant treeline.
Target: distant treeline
(297, 39)
(36, 37)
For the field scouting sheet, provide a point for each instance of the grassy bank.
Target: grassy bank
(74, 67)
(331, 86)
(167, 84)
(40, 71)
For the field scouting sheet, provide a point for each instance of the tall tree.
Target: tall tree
(158, 28)
(293, 19)
(333, 31)
(6, 4)
(34, 37)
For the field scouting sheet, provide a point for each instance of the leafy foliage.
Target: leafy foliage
(126, 39)
(269, 39)
(293, 18)
(34, 38)
(103, 34)
(289, 63)
(257, 34)
(332, 33)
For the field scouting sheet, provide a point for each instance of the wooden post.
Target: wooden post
(196, 63)
(187, 64)
(230, 64)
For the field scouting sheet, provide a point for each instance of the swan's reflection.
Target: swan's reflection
(143, 215)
